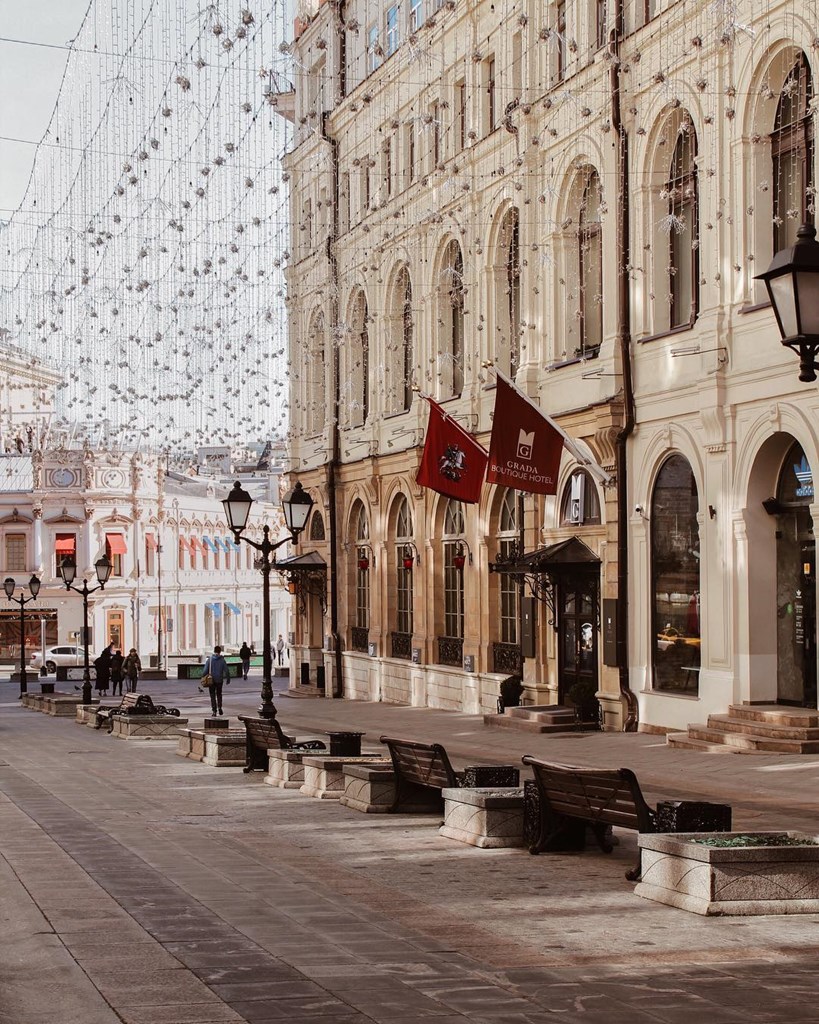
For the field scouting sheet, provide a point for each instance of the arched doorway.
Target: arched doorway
(795, 581)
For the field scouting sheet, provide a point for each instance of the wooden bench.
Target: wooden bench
(132, 704)
(422, 770)
(263, 734)
(572, 798)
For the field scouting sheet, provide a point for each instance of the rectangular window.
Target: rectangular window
(561, 41)
(16, 552)
(364, 189)
(344, 204)
(404, 617)
(392, 29)
(373, 49)
(192, 625)
(509, 595)
(115, 549)
(362, 591)
(601, 11)
(435, 128)
(460, 115)
(453, 593)
(307, 226)
(416, 18)
(65, 546)
(388, 168)
(409, 172)
(491, 100)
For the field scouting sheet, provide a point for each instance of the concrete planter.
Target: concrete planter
(285, 769)
(60, 705)
(324, 776)
(741, 880)
(224, 748)
(147, 727)
(368, 788)
(490, 819)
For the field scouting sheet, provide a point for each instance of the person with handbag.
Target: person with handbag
(215, 674)
(131, 668)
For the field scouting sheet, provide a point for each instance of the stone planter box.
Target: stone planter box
(86, 714)
(324, 776)
(61, 705)
(490, 819)
(730, 880)
(368, 788)
(285, 769)
(147, 727)
(219, 749)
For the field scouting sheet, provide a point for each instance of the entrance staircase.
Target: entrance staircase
(754, 728)
(535, 718)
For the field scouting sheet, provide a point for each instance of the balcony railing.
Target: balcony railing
(507, 658)
(451, 651)
(401, 645)
(359, 637)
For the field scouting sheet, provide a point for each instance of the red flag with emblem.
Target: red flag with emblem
(453, 462)
(525, 448)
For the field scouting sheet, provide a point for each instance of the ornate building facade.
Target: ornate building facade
(579, 194)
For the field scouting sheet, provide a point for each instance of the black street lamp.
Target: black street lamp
(22, 600)
(792, 281)
(296, 506)
(68, 571)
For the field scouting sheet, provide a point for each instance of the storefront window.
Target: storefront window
(675, 559)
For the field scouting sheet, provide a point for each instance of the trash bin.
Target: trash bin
(320, 677)
(345, 744)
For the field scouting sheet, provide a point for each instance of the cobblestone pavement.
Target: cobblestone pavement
(138, 887)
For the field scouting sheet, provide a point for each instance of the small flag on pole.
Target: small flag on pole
(453, 462)
(525, 448)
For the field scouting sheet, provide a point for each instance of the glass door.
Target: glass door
(577, 632)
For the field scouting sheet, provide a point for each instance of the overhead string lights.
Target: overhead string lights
(145, 261)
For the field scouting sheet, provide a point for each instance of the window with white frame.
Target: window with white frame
(460, 115)
(580, 505)
(508, 585)
(16, 559)
(392, 29)
(374, 51)
(590, 266)
(683, 229)
(451, 322)
(792, 146)
(454, 570)
(362, 577)
(404, 563)
(416, 15)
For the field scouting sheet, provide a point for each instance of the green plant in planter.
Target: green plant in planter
(583, 696)
(511, 690)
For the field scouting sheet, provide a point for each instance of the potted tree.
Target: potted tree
(583, 696)
(511, 690)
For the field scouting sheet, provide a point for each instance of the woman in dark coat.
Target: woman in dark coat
(116, 672)
(103, 667)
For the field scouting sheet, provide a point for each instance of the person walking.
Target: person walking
(217, 668)
(117, 661)
(131, 668)
(102, 665)
(280, 649)
(244, 657)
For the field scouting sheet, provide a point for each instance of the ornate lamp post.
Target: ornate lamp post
(22, 600)
(792, 281)
(68, 572)
(296, 506)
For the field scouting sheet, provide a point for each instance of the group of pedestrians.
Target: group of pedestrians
(115, 671)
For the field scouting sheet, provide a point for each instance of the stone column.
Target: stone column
(89, 542)
(37, 512)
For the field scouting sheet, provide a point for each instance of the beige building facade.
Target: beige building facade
(580, 195)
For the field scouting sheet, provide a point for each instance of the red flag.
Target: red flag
(453, 462)
(525, 449)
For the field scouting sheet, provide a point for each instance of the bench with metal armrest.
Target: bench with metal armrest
(263, 734)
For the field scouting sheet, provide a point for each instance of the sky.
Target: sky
(25, 111)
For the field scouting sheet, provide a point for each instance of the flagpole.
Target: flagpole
(593, 466)
(448, 416)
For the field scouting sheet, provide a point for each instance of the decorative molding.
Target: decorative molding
(64, 517)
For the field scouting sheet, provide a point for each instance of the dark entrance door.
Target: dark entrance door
(577, 630)
(795, 583)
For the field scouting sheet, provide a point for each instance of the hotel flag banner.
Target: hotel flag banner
(453, 462)
(527, 445)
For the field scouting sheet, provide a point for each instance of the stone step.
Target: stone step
(683, 741)
(528, 724)
(776, 714)
(760, 743)
(545, 714)
(765, 729)
(302, 691)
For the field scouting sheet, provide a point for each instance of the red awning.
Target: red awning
(196, 544)
(150, 540)
(186, 544)
(65, 545)
(116, 543)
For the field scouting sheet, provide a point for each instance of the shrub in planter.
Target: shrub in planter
(583, 696)
(511, 690)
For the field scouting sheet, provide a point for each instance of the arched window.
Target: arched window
(451, 322)
(359, 380)
(401, 355)
(509, 588)
(316, 379)
(362, 578)
(507, 294)
(683, 229)
(454, 560)
(317, 526)
(590, 266)
(580, 505)
(792, 156)
(404, 557)
(675, 565)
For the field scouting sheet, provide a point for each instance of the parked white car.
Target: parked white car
(54, 656)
